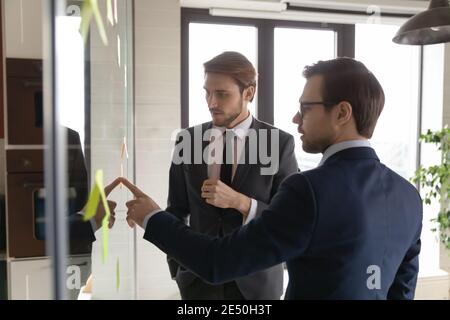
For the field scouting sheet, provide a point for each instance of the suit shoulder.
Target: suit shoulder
(297, 180)
(403, 182)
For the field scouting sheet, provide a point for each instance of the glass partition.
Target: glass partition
(69, 116)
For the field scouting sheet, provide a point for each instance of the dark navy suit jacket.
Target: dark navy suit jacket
(349, 229)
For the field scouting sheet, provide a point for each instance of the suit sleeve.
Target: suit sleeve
(283, 232)
(288, 165)
(404, 284)
(177, 203)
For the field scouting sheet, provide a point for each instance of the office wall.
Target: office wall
(23, 20)
(157, 75)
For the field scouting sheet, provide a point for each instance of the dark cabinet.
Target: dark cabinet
(24, 101)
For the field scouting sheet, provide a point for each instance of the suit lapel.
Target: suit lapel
(199, 171)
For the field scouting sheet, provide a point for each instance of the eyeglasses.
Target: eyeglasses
(305, 105)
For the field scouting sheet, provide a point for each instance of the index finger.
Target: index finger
(110, 187)
(135, 190)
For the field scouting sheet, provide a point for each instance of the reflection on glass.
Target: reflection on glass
(397, 69)
(71, 61)
(294, 49)
(110, 124)
(220, 38)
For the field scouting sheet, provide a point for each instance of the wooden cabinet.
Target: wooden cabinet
(2, 110)
(24, 101)
(3, 279)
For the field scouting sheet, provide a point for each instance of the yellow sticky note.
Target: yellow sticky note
(98, 193)
(89, 9)
(86, 16)
(91, 207)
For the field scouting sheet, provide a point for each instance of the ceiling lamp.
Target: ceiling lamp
(428, 27)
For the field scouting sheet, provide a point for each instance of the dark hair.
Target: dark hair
(235, 65)
(345, 79)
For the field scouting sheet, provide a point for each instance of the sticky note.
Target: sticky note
(90, 9)
(96, 194)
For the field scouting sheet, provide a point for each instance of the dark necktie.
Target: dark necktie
(226, 169)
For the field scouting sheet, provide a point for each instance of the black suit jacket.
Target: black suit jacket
(349, 229)
(185, 203)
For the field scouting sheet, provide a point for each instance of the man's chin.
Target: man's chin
(309, 149)
(219, 121)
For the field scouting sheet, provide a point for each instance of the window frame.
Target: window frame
(345, 39)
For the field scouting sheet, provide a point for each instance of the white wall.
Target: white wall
(157, 74)
(23, 21)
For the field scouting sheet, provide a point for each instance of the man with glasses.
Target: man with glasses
(348, 229)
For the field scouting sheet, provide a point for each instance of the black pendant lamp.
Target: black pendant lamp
(428, 27)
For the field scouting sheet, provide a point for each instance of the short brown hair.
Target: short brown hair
(345, 79)
(235, 65)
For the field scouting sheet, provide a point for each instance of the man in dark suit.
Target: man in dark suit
(349, 229)
(219, 196)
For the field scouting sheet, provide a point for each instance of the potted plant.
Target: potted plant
(436, 181)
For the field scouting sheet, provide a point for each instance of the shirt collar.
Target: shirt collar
(335, 148)
(241, 129)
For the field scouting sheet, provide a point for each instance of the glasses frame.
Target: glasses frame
(305, 105)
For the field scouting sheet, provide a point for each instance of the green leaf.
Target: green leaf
(436, 180)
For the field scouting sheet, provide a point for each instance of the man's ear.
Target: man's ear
(344, 112)
(249, 93)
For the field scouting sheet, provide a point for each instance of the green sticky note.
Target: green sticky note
(105, 221)
(86, 16)
(91, 207)
(117, 274)
(89, 9)
(98, 193)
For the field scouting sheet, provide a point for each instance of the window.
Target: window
(204, 36)
(205, 42)
(398, 70)
(291, 55)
